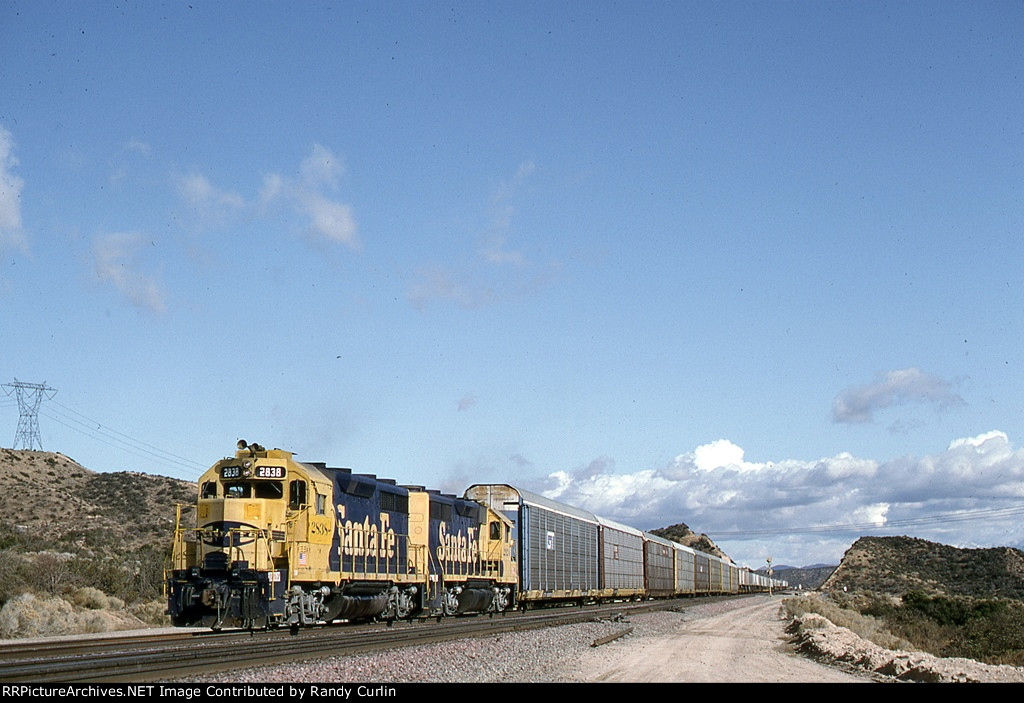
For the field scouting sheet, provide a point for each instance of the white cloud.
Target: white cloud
(122, 161)
(874, 514)
(273, 187)
(329, 220)
(994, 439)
(197, 190)
(802, 510)
(859, 403)
(722, 454)
(437, 283)
(11, 233)
(137, 145)
(211, 207)
(321, 168)
(495, 270)
(116, 257)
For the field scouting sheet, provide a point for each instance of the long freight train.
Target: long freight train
(283, 542)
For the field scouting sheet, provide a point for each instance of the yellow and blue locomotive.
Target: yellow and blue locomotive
(283, 542)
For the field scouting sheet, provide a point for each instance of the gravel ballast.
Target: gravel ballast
(554, 655)
(545, 655)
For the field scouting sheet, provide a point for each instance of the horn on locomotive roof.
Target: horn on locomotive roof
(253, 448)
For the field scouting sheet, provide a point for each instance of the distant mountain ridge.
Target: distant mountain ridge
(807, 578)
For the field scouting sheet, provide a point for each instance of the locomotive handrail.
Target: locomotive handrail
(178, 555)
(367, 552)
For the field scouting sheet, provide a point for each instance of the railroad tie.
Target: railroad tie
(611, 638)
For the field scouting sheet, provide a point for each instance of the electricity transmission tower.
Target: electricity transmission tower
(30, 396)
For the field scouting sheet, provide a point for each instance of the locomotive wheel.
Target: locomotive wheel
(450, 602)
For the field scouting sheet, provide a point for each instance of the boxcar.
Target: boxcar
(714, 574)
(734, 578)
(701, 573)
(686, 567)
(659, 566)
(621, 559)
(556, 544)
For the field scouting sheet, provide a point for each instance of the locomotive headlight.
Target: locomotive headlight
(247, 464)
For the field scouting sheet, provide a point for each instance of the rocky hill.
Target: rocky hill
(65, 527)
(897, 565)
(682, 534)
(56, 503)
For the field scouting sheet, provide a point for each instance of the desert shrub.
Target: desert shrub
(108, 574)
(989, 630)
(11, 582)
(29, 616)
(95, 599)
(952, 610)
(152, 612)
(866, 626)
(48, 572)
(997, 639)
(146, 580)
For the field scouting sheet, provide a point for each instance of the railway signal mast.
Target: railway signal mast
(30, 396)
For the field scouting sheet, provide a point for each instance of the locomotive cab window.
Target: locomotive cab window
(271, 490)
(237, 490)
(321, 503)
(297, 495)
(209, 490)
(495, 530)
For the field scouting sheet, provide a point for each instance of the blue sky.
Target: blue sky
(750, 266)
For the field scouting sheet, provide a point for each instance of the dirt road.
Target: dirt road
(744, 643)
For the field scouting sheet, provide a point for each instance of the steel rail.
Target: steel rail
(163, 657)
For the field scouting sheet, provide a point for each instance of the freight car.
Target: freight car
(571, 555)
(283, 542)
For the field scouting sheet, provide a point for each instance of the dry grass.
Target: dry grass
(988, 630)
(29, 615)
(866, 626)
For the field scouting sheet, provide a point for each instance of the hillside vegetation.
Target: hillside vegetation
(908, 593)
(80, 549)
(898, 565)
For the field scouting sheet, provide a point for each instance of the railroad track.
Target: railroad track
(167, 656)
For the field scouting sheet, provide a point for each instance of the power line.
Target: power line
(72, 419)
(129, 438)
(939, 519)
